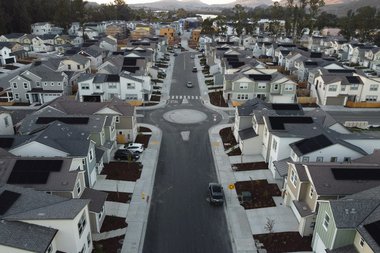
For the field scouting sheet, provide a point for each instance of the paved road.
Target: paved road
(180, 218)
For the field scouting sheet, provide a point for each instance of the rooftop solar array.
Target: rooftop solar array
(7, 199)
(33, 171)
(374, 230)
(261, 77)
(312, 144)
(130, 69)
(315, 55)
(128, 61)
(66, 120)
(293, 107)
(6, 142)
(353, 79)
(277, 123)
(112, 78)
(356, 173)
(341, 70)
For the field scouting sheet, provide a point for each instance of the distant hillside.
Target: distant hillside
(341, 9)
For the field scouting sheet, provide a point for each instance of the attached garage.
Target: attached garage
(339, 100)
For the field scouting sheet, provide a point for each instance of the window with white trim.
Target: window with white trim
(112, 85)
(319, 159)
(242, 96)
(82, 224)
(25, 85)
(274, 145)
(261, 86)
(117, 119)
(293, 178)
(373, 87)
(91, 155)
(326, 221)
(361, 243)
(371, 98)
(275, 87)
(14, 85)
(88, 239)
(334, 159)
(78, 187)
(333, 87)
(288, 87)
(38, 84)
(343, 87)
(243, 86)
(85, 86)
(6, 121)
(305, 159)
(354, 87)
(17, 96)
(311, 193)
(131, 86)
(49, 249)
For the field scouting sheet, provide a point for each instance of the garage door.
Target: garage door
(335, 100)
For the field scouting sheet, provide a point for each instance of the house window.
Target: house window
(347, 159)
(59, 84)
(361, 242)
(243, 86)
(82, 224)
(373, 87)
(326, 221)
(319, 159)
(343, 87)
(242, 96)
(311, 192)
(276, 86)
(52, 84)
(14, 85)
(288, 87)
(78, 66)
(334, 159)
(88, 239)
(312, 225)
(45, 83)
(274, 144)
(371, 98)
(97, 87)
(117, 119)
(305, 159)
(354, 87)
(112, 86)
(262, 86)
(333, 87)
(38, 84)
(78, 187)
(85, 86)
(84, 161)
(293, 178)
(25, 85)
(69, 67)
(17, 96)
(130, 85)
(27, 96)
(91, 155)
(49, 249)
(6, 121)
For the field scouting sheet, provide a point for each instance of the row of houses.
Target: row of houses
(328, 174)
(50, 161)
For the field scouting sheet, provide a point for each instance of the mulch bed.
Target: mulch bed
(216, 98)
(112, 223)
(144, 130)
(250, 166)
(284, 242)
(261, 192)
(228, 137)
(128, 171)
(143, 139)
(122, 197)
(155, 98)
(111, 245)
(236, 151)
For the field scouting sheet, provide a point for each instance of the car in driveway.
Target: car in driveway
(134, 147)
(125, 154)
(189, 84)
(216, 194)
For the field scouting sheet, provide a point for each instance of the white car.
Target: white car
(134, 147)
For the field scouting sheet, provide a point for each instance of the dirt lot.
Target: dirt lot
(284, 242)
(128, 171)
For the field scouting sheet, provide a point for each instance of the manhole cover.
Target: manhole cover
(185, 116)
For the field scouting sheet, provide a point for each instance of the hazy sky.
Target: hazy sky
(150, 1)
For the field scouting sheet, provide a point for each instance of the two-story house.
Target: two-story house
(6, 55)
(6, 123)
(309, 184)
(33, 221)
(94, 54)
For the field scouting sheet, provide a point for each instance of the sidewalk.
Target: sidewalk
(237, 220)
(139, 206)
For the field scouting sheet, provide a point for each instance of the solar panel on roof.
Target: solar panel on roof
(260, 77)
(315, 55)
(7, 199)
(356, 174)
(33, 171)
(312, 144)
(112, 78)
(341, 70)
(293, 107)
(277, 123)
(129, 61)
(6, 142)
(236, 64)
(353, 79)
(130, 69)
(374, 230)
(66, 120)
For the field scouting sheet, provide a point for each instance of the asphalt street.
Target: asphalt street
(181, 219)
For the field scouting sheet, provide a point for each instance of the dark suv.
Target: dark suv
(124, 154)
(215, 191)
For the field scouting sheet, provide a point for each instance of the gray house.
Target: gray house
(40, 85)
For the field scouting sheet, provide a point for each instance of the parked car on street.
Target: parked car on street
(216, 193)
(135, 147)
(125, 154)
(195, 69)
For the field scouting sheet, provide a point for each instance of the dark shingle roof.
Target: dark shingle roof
(97, 199)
